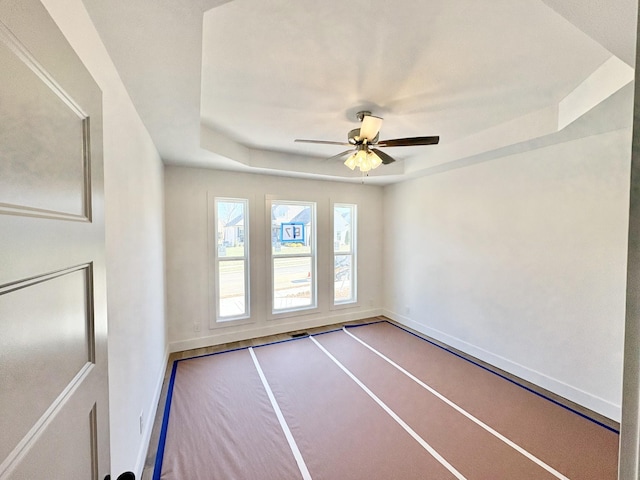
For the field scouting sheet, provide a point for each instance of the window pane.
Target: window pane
(292, 283)
(343, 284)
(291, 228)
(342, 234)
(344, 249)
(230, 217)
(231, 288)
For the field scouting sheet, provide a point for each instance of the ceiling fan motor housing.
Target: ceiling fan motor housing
(354, 137)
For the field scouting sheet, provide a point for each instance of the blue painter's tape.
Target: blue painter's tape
(157, 468)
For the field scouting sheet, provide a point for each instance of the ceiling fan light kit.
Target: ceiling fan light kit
(364, 157)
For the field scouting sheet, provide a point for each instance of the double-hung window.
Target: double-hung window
(344, 254)
(293, 256)
(232, 258)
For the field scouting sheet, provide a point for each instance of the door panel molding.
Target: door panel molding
(47, 171)
(21, 450)
(55, 312)
(54, 400)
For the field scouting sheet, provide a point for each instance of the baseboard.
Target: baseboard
(151, 415)
(564, 390)
(249, 331)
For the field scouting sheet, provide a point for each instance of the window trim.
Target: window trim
(333, 305)
(273, 314)
(216, 321)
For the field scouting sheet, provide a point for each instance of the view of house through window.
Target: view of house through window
(293, 255)
(344, 254)
(232, 258)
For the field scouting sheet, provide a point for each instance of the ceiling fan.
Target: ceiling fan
(363, 141)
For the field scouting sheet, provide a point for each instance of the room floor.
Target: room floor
(148, 472)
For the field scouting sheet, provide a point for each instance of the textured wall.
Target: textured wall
(521, 261)
(188, 287)
(134, 243)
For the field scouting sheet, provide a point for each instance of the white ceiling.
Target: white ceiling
(231, 84)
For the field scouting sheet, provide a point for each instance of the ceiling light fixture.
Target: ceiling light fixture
(364, 159)
(367, 155)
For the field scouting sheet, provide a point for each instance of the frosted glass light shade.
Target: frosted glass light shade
(365, 160)
(351, 161)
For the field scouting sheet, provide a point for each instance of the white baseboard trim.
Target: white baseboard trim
(587, 400)
(150, 417)
(245, 332)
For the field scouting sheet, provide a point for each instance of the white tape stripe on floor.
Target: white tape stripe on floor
(283, 423)
(459, 409)
(392, 414)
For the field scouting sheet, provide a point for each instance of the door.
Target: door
(53, 327)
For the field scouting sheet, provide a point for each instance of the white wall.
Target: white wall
(134, 247)
(188, 287)
(521, 262)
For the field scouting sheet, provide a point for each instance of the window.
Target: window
(293, 257)
(232, 259)
(344, 254)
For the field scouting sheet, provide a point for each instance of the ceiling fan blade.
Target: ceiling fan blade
(409, 142)
(340, 155)
(386, 159)
(323, 142)
(370, 127)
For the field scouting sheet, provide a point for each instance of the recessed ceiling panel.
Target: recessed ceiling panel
(276, 71)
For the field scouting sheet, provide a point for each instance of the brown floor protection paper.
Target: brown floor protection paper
(473, 451)
(222, 424)
(575, 446)
(341, 432)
